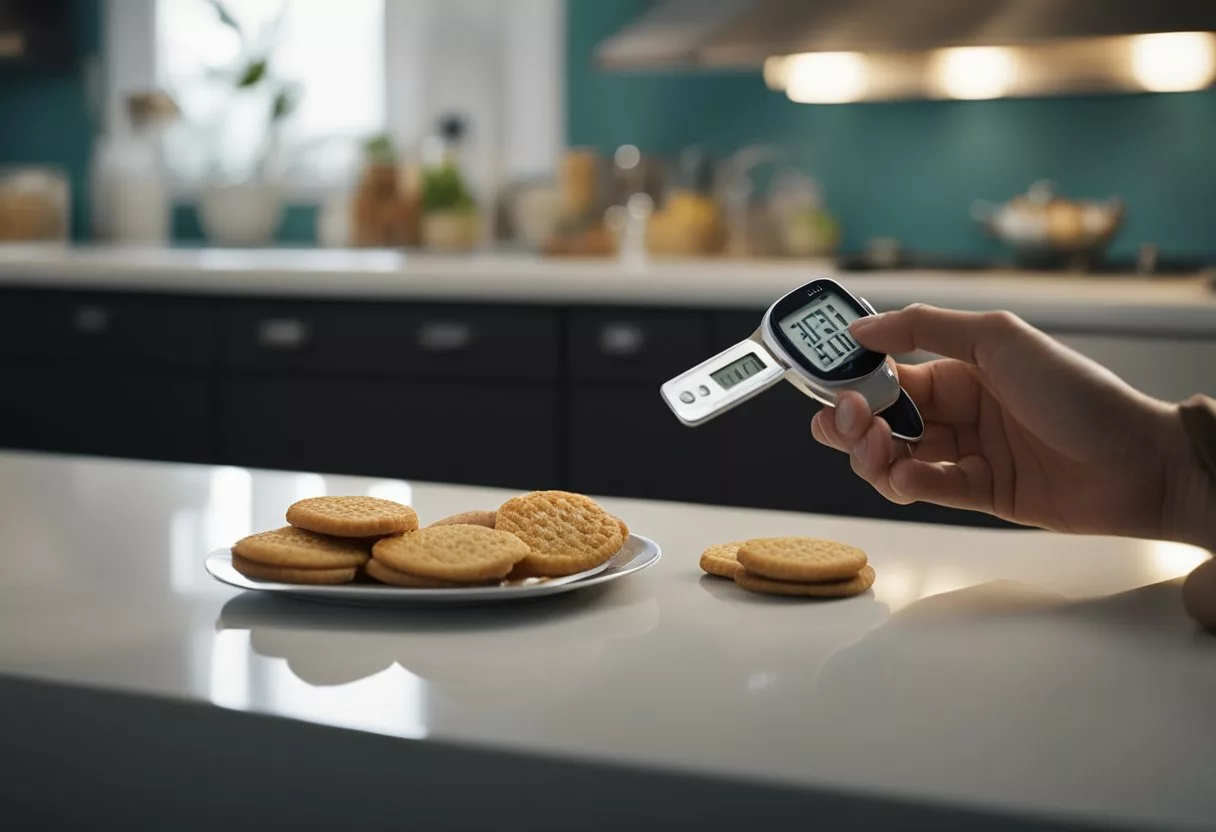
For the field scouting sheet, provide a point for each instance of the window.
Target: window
(360, 67)
(324, 61)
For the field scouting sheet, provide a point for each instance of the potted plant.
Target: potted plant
(449, 214)
(242, 201)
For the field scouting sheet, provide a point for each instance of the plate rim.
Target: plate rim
(464, 595)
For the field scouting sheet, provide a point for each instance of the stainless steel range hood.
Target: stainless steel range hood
(1086, 41)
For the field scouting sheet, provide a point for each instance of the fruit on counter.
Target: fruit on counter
(1065, 223)
(810, 233)
(689, 223)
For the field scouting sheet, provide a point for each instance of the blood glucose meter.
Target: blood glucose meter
(803, 338)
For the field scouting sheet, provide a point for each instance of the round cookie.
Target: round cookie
(566, 533)
(800, 559)
(301, 549)
(721, 560)
(387, 575)
(291, 575)
(352, 516)
(460, 554)
(624, 530)
(469, 518)
(856, 585)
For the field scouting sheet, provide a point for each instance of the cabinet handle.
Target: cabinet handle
(622, 340)
(443, 337)
(283, 333)
(91, 320)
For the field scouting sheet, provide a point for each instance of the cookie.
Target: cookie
(721, 560)
(352, 516)
(300, 549)
(461, 554)
(387, 575)
(566, 533)
(800, 559)
(624, 529)
(468, 518)
(855, 585)
(292, 575)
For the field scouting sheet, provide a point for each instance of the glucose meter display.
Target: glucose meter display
(737, 371)
(820, 330)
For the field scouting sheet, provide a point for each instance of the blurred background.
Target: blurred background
(955, 133)
(301, 234)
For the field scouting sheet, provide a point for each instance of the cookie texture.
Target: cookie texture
(801, 559)
(856, 585)
(301, 549)
(292, 575)
(565, 532)
(721, 560)
(460, 554)
(624, 530)
(469, 518)
(387, 575)
(352, 516)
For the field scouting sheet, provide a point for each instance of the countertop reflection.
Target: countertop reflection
(1016, 670)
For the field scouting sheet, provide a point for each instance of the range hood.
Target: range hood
(1073, 45)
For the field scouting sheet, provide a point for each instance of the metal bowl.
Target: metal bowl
(1042, 226)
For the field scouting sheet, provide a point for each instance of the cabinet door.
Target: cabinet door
(624, 441)
(107, 328)
(484, 434)
(107, 411)
(434, 341)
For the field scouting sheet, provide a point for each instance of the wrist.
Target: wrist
(1188, 487)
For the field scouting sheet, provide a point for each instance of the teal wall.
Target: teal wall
(46, 119)
(911, 170)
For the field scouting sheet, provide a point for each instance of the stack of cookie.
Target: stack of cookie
(800, 566)
(333, 540)
(329, 540)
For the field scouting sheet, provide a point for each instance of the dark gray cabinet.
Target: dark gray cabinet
(490, 434)
(523, 397)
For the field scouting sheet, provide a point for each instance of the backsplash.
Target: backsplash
(46, 119)
(911, 170)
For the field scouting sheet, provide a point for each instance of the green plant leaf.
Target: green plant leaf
(380, 150)
(443, 188)
(226, 17)
(254, 72)
(285, 101)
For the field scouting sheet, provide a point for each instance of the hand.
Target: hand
(1020, 427)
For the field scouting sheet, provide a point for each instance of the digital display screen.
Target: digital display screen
(737, 371)
(820, 330)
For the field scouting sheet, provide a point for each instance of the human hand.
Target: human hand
(1023, 428)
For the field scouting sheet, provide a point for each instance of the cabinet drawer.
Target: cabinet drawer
(109, 412)
(633, 345)
(395, 340)
(493, 434)
(98, 327)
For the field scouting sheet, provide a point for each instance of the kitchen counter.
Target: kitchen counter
(991, 679)
(1179, 307)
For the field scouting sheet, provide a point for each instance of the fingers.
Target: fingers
(934, 473)
(967, 336)
(966, 484)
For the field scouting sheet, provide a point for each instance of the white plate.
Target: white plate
(637, 554)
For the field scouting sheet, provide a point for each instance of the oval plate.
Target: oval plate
(637, 554)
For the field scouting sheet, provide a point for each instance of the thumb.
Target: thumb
(967, 336)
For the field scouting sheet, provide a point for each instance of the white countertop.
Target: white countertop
(1000, 670)
(1185, 307)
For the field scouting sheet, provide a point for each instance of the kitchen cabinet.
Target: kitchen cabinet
(107, 411)
(493, 433)
(512, 395)
(109, 374)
